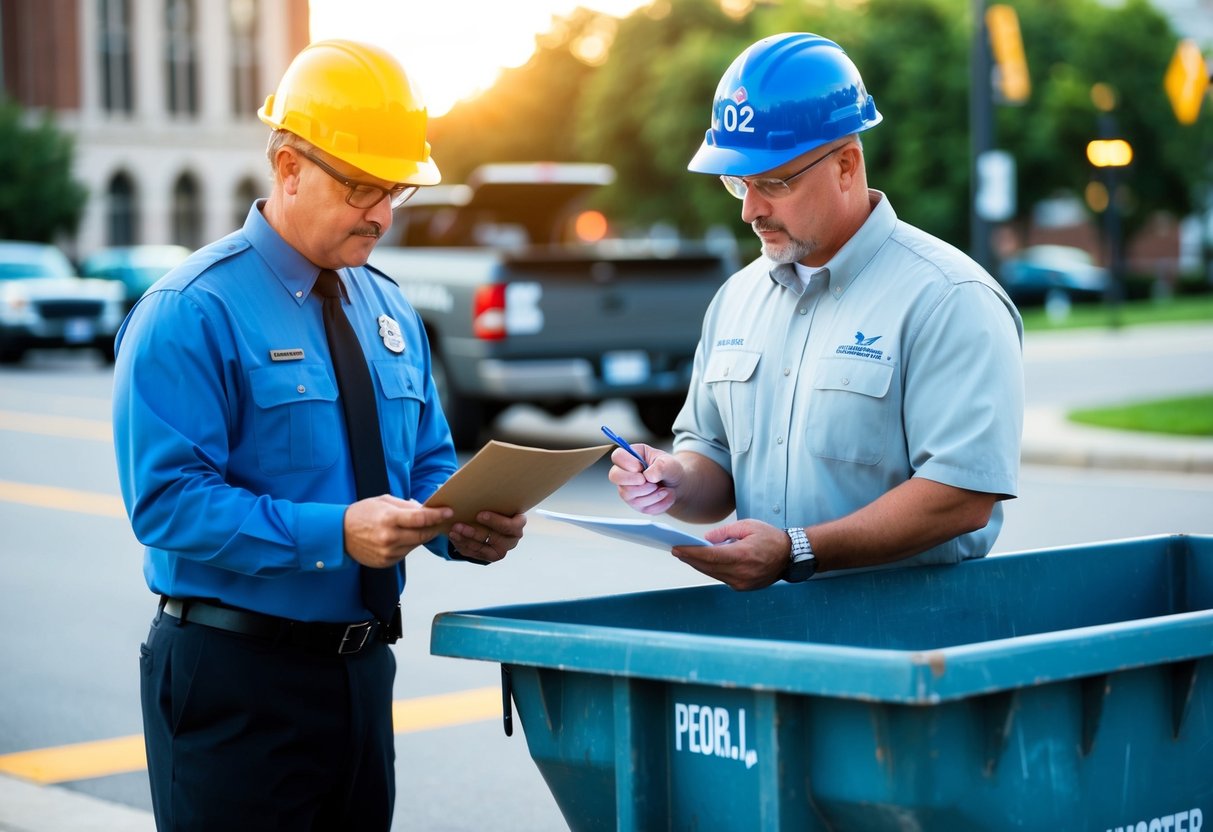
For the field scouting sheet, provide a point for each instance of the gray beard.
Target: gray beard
(793, 251)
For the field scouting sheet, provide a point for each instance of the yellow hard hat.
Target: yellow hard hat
(354, 101)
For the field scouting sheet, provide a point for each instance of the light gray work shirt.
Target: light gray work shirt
(902, 358)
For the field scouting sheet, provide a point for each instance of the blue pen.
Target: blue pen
(623, 443)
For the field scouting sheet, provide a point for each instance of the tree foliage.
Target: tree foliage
(39, 199)
(645, 108)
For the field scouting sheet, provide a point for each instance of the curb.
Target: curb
(1051, 439)
(29, 807)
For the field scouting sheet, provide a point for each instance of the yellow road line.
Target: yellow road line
(48, 425)
(67, 499)
(123, 755)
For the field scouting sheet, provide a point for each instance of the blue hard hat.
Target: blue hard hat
(782, 97)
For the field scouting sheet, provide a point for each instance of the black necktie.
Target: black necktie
(379, 589)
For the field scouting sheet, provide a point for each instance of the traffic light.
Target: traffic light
(1186, 80)
(1007, 45)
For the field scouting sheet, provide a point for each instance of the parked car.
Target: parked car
(43, 303)
(136, 267)
(1038, 272)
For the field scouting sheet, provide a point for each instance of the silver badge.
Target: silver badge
(295, 354)
(389, 331)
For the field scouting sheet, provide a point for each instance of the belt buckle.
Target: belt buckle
(355, 637)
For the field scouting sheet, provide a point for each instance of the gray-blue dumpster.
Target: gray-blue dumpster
(1058, 689)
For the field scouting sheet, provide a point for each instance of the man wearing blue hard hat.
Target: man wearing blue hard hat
(857, 396)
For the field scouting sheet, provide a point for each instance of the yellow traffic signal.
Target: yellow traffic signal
(1007, 45)
(1185, 82)
(1109, 153)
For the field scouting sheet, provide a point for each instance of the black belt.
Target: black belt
(315, 636)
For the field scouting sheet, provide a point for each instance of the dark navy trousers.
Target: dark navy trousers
(243, 734)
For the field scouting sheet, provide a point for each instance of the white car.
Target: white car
(44, 304)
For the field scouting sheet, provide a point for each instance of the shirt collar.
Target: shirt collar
(295, 272)
(855, 254)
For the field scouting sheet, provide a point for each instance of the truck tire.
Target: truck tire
(465, 416)
(657, 413)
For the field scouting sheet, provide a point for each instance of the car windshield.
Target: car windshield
(26, 263)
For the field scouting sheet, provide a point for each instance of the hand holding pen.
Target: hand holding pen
(623, 443)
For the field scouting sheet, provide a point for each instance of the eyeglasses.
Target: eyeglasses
(363, 194)
(769, 186)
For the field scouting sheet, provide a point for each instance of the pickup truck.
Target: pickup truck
(519, 310)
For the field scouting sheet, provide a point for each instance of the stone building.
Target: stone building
(161, 97)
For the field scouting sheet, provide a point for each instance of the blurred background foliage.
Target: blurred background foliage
(39, 197)
(636, 93)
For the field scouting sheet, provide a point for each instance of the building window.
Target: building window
(246, 192)
(246, 67)
(115, 55)
(122, 212)
(187, 212)
(181, 56)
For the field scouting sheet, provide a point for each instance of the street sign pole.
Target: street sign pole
(981, 132)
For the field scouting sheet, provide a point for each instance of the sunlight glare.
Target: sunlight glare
(453, 49)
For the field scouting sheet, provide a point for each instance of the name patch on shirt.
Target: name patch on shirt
(286, 355)
(730, 342)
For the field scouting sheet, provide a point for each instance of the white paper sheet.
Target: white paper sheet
(643, 531)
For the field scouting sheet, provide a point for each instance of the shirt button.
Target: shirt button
(299, 294)
(303, 389)
(787, 371)
(804, 310)
(319, 564)
(775, 508)
(845, 382)
(779, 440)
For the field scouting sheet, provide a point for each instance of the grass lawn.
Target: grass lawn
(1175, 310)
(1185, 416)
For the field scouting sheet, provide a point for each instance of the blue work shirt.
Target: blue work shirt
(230, 438)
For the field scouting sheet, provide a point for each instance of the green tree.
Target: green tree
(645, 108)
(39, 199)
(527, 116)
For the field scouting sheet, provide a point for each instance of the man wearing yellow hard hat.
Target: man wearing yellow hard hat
(277, 431)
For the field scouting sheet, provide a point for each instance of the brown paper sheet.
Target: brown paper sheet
(509, 479)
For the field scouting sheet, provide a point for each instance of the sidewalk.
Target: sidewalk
(1049, 439)
(26, 807)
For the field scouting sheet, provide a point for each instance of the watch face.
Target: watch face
(800, 570)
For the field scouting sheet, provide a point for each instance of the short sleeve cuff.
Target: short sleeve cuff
(1004, 484)
(693, 444)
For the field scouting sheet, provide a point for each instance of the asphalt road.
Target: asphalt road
(73, 606)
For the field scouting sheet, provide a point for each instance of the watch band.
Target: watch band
(800, 544)
(802, 563)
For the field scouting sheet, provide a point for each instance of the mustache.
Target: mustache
(370, 230)
(766, 224)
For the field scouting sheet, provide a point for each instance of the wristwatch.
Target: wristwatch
(802, 563)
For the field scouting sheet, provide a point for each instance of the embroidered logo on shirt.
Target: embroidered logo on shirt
(286, 355)
(730, 342)
(862, 348)
(389, 331)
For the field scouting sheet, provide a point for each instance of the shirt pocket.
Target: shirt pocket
(403, 389)
(730, 377)
(850, 411)
(295, 418)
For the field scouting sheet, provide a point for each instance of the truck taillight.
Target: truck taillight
(488, 312)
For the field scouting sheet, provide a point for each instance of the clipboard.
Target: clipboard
(509, 479)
